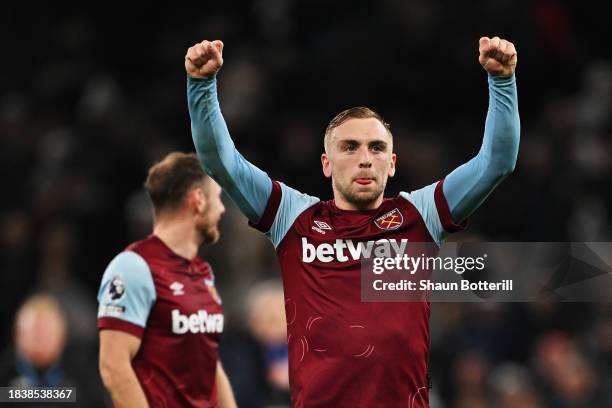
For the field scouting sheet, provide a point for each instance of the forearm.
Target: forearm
(469, 185)
(225, 395)
(502, 127)
(247, 185)
(121, 382)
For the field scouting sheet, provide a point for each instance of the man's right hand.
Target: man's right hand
(204, 59)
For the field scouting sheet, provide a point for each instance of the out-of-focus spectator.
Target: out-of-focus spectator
(470, 373)
(566, 373)
(266, 316)
(512, 386)
(257, 359)
(41, 356)
(40, 337)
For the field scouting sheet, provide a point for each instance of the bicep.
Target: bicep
(118, 346)
(248, 186)
(466, 187)
(220, 374)
(117, 350)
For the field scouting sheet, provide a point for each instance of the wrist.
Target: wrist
(206, 79)
(501, 80)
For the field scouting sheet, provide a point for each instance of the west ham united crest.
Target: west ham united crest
(390, 221)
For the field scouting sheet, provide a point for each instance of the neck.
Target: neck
(179, 234)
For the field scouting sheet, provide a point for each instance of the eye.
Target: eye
(377, 147)
(350, 147)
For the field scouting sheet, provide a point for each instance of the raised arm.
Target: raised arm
(246, 184)
(469, 185)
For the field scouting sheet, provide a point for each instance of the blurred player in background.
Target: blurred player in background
(160, 317)
(344, 353)
(266, 318)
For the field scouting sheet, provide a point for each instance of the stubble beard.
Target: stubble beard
(208, 231)
(360, 200)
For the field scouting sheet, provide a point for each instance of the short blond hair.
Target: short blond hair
(40, 302)
(358, 112)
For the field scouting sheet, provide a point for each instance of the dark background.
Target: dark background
(90, 98)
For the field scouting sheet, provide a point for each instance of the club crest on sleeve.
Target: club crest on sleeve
(390, 221)
(116, 289)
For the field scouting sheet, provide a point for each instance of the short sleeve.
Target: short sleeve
(284, 205)
(434, 209)
(126, 294)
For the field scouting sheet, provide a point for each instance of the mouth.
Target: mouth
(364, 181)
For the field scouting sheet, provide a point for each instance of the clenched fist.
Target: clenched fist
(204, 59)
(497, 56)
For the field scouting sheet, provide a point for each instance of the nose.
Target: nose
(365, 161)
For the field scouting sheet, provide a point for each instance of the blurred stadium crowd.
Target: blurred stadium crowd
(91, 98)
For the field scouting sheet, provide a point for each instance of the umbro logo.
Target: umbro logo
(321, 226)
(177, 288)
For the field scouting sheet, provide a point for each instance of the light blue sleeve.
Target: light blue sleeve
(127, 291)
(292, 204)
(469, 185)
(247, 185)
(424, 201)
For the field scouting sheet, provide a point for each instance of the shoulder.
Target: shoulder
(317, 210)
(128, 269)
(285, 205)
(145, 247)
(293, 203)
(129, 260)
(424, 194)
